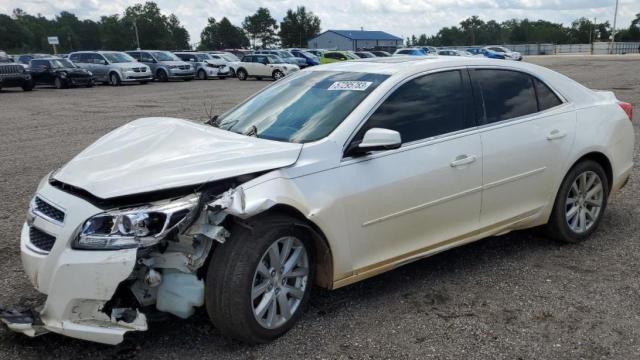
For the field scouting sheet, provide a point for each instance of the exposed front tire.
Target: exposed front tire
(114, 79)
(259, 280)
(202, 75)
(242, 74)
(277, 75)
(162, 76)
(580, 203)
(232, 73)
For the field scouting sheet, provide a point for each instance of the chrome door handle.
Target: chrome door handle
(461, 160)
(556, 134)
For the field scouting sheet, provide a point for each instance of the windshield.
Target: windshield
(309, 55)
(61, 64)
(276, 59)
(230, 57)
(203, 57)
(352, 56)
(117, 57)
(285, 54)
(304, 107)
(164, 56)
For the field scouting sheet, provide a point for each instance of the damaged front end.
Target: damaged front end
(121, 266)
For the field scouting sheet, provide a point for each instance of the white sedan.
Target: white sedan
(330, 176)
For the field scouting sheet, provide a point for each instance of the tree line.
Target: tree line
(475, 31)
(23, 32)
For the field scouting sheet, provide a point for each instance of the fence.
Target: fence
(598, 48)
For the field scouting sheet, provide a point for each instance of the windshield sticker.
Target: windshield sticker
(350, 85)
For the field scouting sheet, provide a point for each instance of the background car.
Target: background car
(112, 67)
(485, 52)
(59, 72)
(448, 52)
(25, 59)
(380, 53)
(430, 49)
(206, 66)
(13, 74)
(224, 55)
(364, 54)
(261, 66)
(164, 65)
(410, 52)
(507, 53)
(335, 56)
(316, 52)
(286, 56)
(312, 59)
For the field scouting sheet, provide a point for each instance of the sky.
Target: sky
(399, 17)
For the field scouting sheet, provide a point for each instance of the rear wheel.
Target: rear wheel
(580, 203)
(242, 74)
(259, 280)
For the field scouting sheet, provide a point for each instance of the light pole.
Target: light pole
(135, 26)
(613, 32)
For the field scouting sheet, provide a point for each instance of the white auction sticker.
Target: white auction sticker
(350, 85)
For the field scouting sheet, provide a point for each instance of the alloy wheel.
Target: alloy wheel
(277, 75)
(279, 282)
(584, 202)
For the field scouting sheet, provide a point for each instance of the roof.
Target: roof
(364, 35)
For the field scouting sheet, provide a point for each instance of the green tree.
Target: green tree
(261, 26)
(13, 36)
(114, 34)
(179, 35)
(298, 26)
(222, 35)
(471, 28)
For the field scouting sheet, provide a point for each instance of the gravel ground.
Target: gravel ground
(518, 296)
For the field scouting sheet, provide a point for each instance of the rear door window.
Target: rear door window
(547, 99)
(505, 94)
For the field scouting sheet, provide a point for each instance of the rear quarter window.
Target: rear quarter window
(547, 99)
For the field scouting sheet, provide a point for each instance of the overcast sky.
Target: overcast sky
(399, 17)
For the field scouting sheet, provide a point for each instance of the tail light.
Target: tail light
(628, 108)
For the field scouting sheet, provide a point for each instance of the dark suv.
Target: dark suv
(13, 75)
(61, 73)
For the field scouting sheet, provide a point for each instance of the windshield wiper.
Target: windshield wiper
(213, 121)
(253, 131)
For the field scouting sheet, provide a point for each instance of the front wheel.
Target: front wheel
(114, 79)
(232, 73)
(259, 280)
(202, 75)
(58, 83)
(28, 86)
(277, 75)
(580, 203)
(162, 76)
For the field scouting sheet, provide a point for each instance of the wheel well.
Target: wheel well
(321, 249)
(241, 69)
(601, 159)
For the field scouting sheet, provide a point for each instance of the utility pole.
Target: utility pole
(135, 26)
(613, 32)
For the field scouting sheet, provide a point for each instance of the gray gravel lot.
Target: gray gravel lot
(519, 296)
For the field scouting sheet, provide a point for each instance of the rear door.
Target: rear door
(528, 131)
(40, 71)
(99, 66)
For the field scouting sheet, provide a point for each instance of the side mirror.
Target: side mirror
(375, 139)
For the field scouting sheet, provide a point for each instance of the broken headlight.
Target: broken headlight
(134, 227)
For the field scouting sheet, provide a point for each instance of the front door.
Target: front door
(404, 202)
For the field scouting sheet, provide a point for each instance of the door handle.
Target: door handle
(461, 160)
(556, 134)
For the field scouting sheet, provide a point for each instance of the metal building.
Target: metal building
(354, 40)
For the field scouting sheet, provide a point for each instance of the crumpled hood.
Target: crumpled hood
(161, 153)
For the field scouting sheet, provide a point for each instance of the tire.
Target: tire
(58, 83)
(277, 75)
(114, 79)
(242, 74)
(202, 75)
(234, 275)
(162, 76)
(232, 73)
(575, 215)
(28, 86)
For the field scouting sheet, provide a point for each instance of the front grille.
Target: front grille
(41, 239)
(184, 67)
(49, 210)
(138, 69)
(11, 69)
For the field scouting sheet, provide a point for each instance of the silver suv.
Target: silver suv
(164, 65)
(112, 67)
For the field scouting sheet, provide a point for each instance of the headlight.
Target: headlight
(173, 66)
(90, 73)
(211, 65)
(135, 227)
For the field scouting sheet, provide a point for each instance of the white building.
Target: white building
(354, 40)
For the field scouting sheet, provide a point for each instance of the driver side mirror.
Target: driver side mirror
(375, 139)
